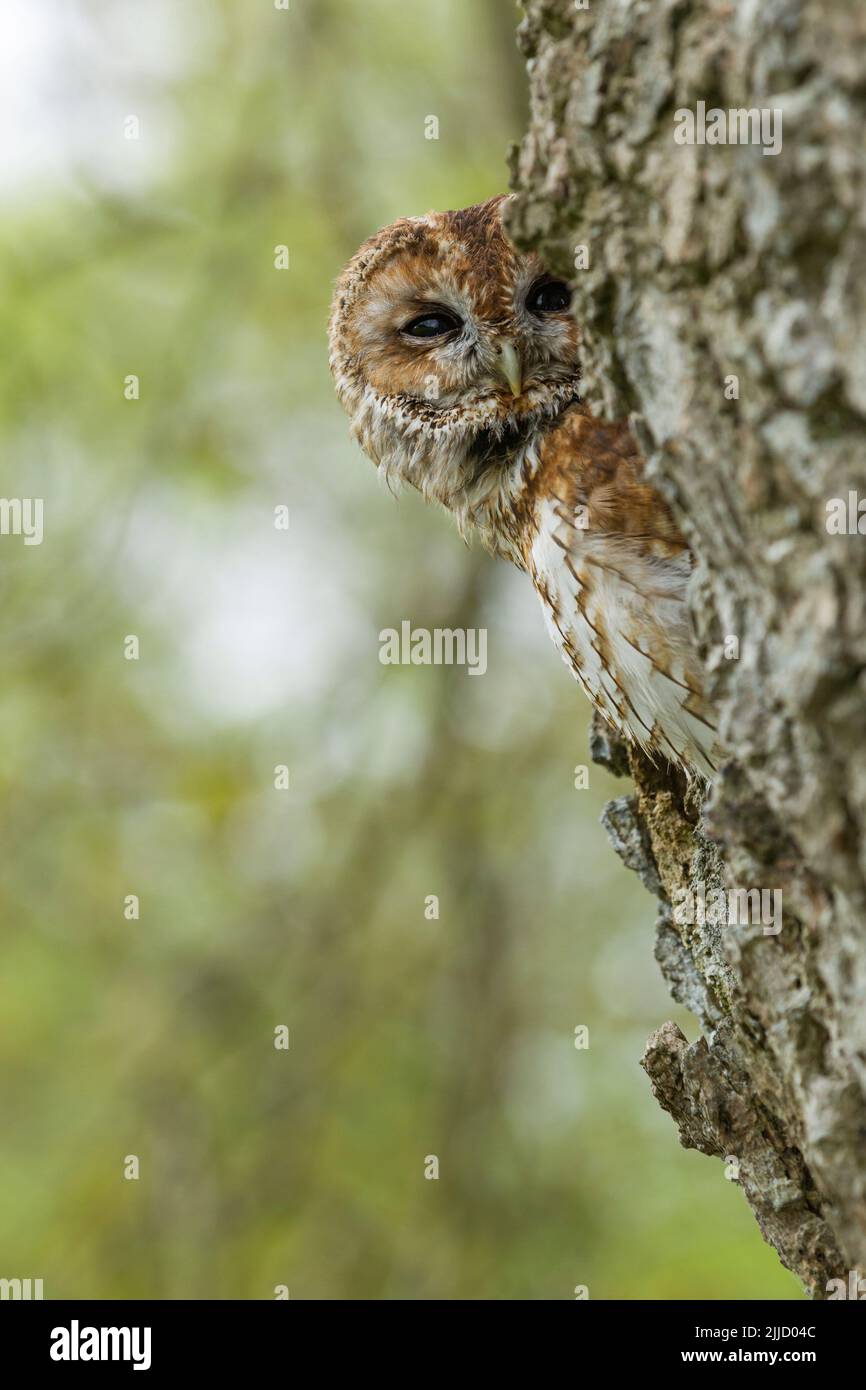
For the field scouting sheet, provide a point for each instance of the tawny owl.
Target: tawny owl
(457, 360)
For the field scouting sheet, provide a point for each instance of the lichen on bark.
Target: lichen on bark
(722, 300)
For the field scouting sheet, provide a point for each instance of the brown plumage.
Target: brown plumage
(457, 360)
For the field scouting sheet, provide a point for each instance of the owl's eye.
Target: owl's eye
(432, 325)
(549, 297)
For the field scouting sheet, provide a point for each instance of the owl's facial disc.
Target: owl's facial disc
(465, 346)
(546, 297)
(444, 337)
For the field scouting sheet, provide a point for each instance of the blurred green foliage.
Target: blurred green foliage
(259, 647)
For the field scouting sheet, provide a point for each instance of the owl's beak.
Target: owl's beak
(510, 367)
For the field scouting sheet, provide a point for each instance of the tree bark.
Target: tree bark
(723, 307)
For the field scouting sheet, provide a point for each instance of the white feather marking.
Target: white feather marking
(633, 603)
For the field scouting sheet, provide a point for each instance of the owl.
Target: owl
(457, 360)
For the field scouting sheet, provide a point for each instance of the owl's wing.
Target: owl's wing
(612, 569)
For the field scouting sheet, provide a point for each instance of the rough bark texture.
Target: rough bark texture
(705, 263)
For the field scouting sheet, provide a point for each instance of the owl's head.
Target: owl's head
(450, 352)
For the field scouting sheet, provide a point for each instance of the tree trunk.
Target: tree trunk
(722, 299)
